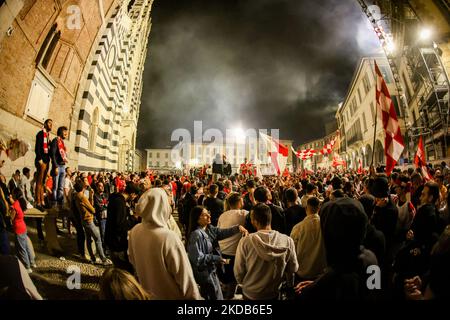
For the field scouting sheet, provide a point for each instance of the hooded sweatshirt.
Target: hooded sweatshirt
(262, 258)
(157, 253)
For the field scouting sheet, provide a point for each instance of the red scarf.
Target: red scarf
(46, 137)
(62, 149)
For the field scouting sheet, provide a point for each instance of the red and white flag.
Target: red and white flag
(393, 141)
(328, 147)
(420, 162)
(304, 154)
(277, 151)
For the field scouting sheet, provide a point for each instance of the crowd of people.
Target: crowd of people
(329, 234)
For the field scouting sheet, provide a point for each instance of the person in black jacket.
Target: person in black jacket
(262, 195)
(214, 204)
(188, 203)
(294, 213)
(118, 222)
(42, 160)
(385, 216)
(59, 159)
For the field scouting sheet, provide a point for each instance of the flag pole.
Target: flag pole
(376, 118)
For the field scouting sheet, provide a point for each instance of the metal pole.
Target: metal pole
(375, 120)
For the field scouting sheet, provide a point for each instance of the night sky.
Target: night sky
(260, 64)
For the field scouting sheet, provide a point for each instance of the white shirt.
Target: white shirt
(67, 185)
(25, 185)
(309, 246)
(228, 219)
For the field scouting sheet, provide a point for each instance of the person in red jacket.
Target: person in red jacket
(24, 251)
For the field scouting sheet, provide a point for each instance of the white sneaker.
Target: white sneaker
(29, 270)
(33, 265)
(107, 262)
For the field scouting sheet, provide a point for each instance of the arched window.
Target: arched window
(93, 130)
(48, 47)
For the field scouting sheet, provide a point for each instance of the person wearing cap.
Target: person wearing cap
(346, 277)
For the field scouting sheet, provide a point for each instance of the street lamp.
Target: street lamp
(425, 33)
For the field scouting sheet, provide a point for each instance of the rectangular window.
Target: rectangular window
(150, 154)
(396, 106)
(157, 155)
(366, 83)
(372, 110)
(157, 163)
(385, 72)
(167, 164)
(150, 163)
(364, 121)
(359, 95)
(167, 156)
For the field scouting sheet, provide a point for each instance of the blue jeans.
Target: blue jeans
(102, 230)
(24, 250)
(4, 242)
(92, 232)
(58, 185)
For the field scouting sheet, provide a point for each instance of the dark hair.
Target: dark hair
(60, 130)
(314, 203)
(233, 199)
(250, 184)
(47, 121)
(310, 187)
(338, 193)
(261, 194)
(261, 214)
(18, 195)
(157, 183)
(291, 195)
(25, 170)
(219, 184)
(336, 182)
(433, 190)
(79, 185)
(193, 189)
(368, 203)
(213, 189)
(194, 215)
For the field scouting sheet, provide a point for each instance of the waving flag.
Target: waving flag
(420, 162)
(304, 154)
(393, 141)
(328, 147)
(277, 151)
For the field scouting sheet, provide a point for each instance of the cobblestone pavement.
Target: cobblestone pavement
(50, 276)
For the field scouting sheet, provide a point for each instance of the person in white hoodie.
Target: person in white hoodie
(264, 258)
(157, 253)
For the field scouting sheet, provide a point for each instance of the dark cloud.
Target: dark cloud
(254, 63)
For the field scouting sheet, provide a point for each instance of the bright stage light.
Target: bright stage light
(425, 33)
(239, 134)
